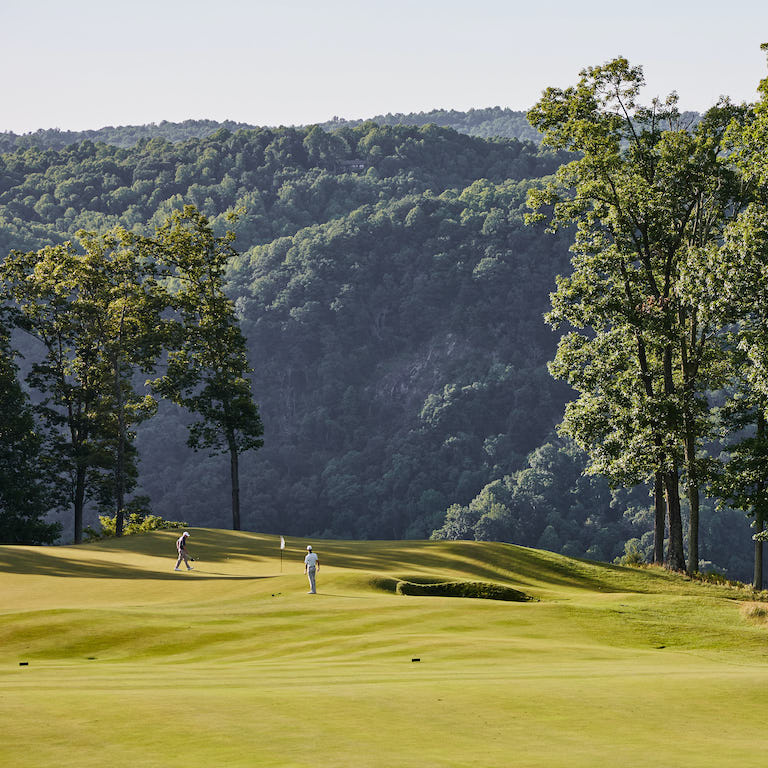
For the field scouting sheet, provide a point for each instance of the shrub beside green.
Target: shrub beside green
(135, 522)
(633, 554)
(425, 586)
(476, 589)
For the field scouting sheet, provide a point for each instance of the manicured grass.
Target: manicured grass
(233, 664)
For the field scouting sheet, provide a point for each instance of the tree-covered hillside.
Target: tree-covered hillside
(283, 179)
(392, 300)
(411, 365)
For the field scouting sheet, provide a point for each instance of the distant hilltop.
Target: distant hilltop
(490, 122)
(487, 123)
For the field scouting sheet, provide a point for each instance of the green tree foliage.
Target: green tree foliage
(138, 519)
(120, 136)
(207, 365)
(97, 312)
(489, 123)
(285, 179)
(739, 271)
(740, 481)
(552, 504)
(124, 306)
(26, 494)
(649, 196)
(397, 375)
(384, 349)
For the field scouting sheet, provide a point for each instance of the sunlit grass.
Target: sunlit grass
(129, 663)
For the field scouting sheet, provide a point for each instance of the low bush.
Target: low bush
(633, 555)
(476, 589)
(133, 523)
(715, 577)
(755, 612)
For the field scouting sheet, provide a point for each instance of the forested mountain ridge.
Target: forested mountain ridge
(124, 136)
(491, 122)
(488, 122)
(283, 179)
(393, 303)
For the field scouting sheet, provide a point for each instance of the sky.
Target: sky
(87, 64)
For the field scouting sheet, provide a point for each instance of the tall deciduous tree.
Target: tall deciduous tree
(208, 366)
(123, 305)
(96, 312)
(739, 269)
(647, 194)
(41, 285)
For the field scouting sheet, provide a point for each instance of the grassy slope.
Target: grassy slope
(234, 664)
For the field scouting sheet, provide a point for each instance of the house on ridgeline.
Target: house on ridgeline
(352, 166)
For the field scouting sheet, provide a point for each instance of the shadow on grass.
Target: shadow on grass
(42, 562)
(209, 545)
(336, 594)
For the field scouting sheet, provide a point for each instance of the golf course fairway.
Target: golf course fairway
(110, 658)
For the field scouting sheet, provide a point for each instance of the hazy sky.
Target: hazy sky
(78, 64)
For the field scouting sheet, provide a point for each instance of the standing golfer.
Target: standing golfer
(181, 548)
(311, 567)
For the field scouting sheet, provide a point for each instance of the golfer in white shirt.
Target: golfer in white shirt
(311, 567)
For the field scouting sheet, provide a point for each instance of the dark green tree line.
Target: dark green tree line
(104, 313)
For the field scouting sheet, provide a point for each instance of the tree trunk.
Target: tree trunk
(757, 577)
(693, 499)
(79, 501)
(80, 457)
(693, 527)
(234, 472)
(119, 457)
(658, 479)
(659, 518)
(675, 555)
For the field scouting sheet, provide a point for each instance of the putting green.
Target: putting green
(128, 663)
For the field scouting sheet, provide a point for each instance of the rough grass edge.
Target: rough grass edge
(711, 579)
(756, 612)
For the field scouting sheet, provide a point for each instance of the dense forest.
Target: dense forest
(392, 299)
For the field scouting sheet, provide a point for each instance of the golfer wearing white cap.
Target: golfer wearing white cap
(181, 548)
(311, 567)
